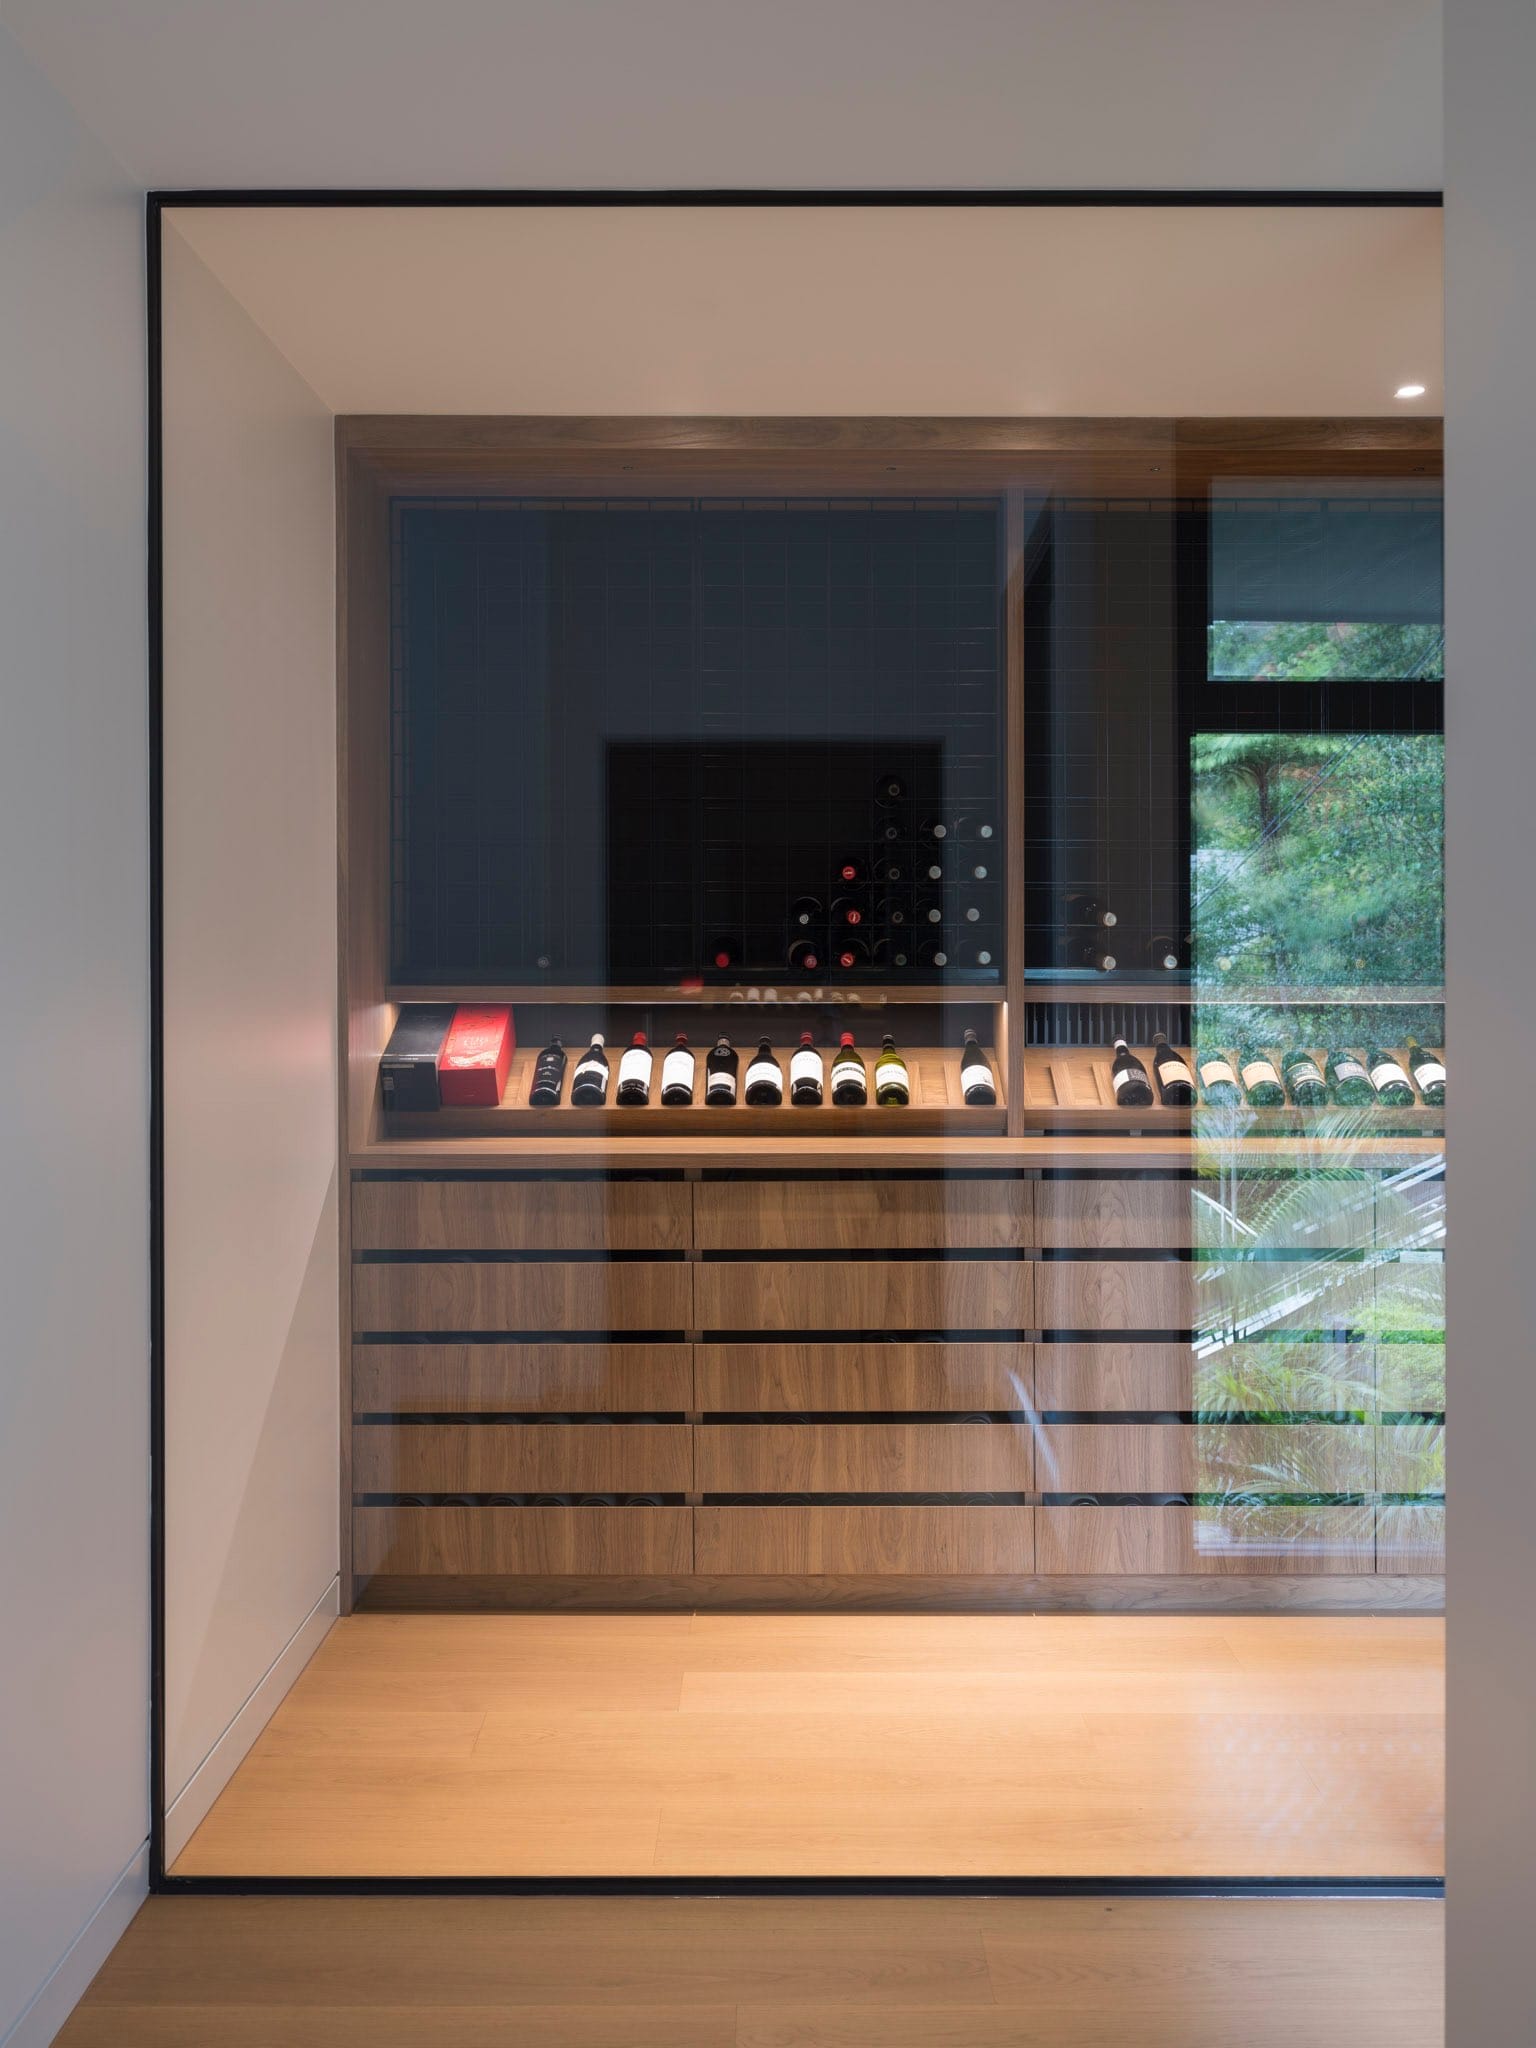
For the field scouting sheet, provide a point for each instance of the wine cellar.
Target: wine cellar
(670, 734)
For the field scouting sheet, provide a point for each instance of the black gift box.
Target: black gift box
(408, 1070)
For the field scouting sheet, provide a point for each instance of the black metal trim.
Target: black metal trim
(157, 201)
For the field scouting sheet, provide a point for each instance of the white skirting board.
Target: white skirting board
(69, 1979)
(190, 1807)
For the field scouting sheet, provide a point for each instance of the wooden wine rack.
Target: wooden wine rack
(1070, 1087)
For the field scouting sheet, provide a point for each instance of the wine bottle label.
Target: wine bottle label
(1388, 1074)
(1260, 1073)
(806, 1065)
(1213, 1072)
(1169, 1071)
(1428, 1072)
(762, 1070)
(677, 1069)
(847, 1067)
(635, 1065)
(1127, 1077)
(1305, 1072)
(1348, 1069)
(591, 1070)
(721, 1088)
(891, 1073)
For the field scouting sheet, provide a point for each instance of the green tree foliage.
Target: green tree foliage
(1295, 650)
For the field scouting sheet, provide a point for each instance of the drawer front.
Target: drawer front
(864, 1457)
(864, 1215)
(1410, 1541)
(1284, 1212)
(1140, 1215)
(833, 1378)
(1214, 1457)
(537, 1294)
(1236, 1542)
(879, 1541)
(1242, 1299)
(521, 1215)
(1115, 1294)
(863, 1294)
(523, 1542)
(521, 1379)
(1093, 1378)
(548, 1457)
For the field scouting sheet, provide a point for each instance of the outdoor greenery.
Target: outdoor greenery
(1295, 650)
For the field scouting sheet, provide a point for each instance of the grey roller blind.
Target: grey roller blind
(1329, 558)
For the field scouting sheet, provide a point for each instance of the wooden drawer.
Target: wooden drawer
(1410, 1541)
(1241, 1299)
(521, 1379)
(1090, 1378)
(520, 1542)
(1141, 1215)
(863, 1294)
(864, 1457)
(1219, 1542)
(511, 1457)
(1298, 1376)
(1115, 1294)
(533, 1294)
(803, 1541)
(1206, 1457)
(521, 1215)
(864, 1215)
(828, 1378)
(1303, 1211)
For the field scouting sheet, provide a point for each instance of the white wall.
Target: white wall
(1491, 946)
(74, 1165)
(250, 995)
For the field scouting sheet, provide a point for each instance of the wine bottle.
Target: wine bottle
(932, 953)
(1349, 1080)
(933, 831)
(847, 910)
(677, 1074)
(1304, 1078)
(1392, 1085)
(889, 788)
(892, 1088)
(1428, 1072)
(634, 1089)
(893, 911)
(765, 1079)
(805, 1075)
(1218, 1077)
(1085, 909)
(1128, 1078)
(589, 1083)
(720, 1064)
(929, 909)
(977, 1086)
(723, 952)
(971, 913)
(975, 826)
(969, 954)
(979, 871)
(890, 831)
(805, 910)
(890, 953)
(849, 1087)
(805, 956)
(1101, 962)
(849, 951)
(1175, 1083)
(1261, 1077)
(930, 870)
(889, 872)
(850, 869)
(548, 1076)
(1163, 953)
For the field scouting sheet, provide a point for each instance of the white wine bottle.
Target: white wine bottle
(1218, 1077)
(1175, 1083)
(1428, 1072)
(1128, 1078)
(765, 1079)
(1261, 1077)
(893, 1090)
(634, 1089)
(1349, 1080)
(850, 1089)
(977, 1086)
(1392, 1085)
(720, 1066)
(805, 1074)
(1304, 1077)
(677, 1074)
(548, 1076)
(589, 1083)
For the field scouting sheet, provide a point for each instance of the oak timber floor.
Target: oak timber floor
(723, 1745)
(765, 1973)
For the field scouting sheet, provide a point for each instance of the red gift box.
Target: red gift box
(476, 1057)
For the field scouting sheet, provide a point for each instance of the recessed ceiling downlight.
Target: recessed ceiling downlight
(1409, 391)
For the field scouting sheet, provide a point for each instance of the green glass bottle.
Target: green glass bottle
(1389, 1078)
(1428, 1072)
(893, 1090)
(1261, 1077)
(1348, 1081)
(1304, 1078)
(1218, 1080)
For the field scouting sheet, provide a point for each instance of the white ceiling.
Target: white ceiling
(1266, 94)
(773, 310)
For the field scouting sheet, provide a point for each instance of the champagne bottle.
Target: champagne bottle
(805, 910)
(1392, 1085)
(1261, 1078)
(677, 1074)
(1128, 1078)
(1304, 1078)
(589, 1083)
(548, 1076)
(634, 1089)
(805, 956)
(849, 1087)
(850, 951)
(720, 1065)
(1096, 958)
(1176, 1084)
(765, 1079)
(1428, 1072)
(1349, 1080)
(805, 1075)
(1085, 909)
(892, 1088)
(977, 1087)
(1218, 1077)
